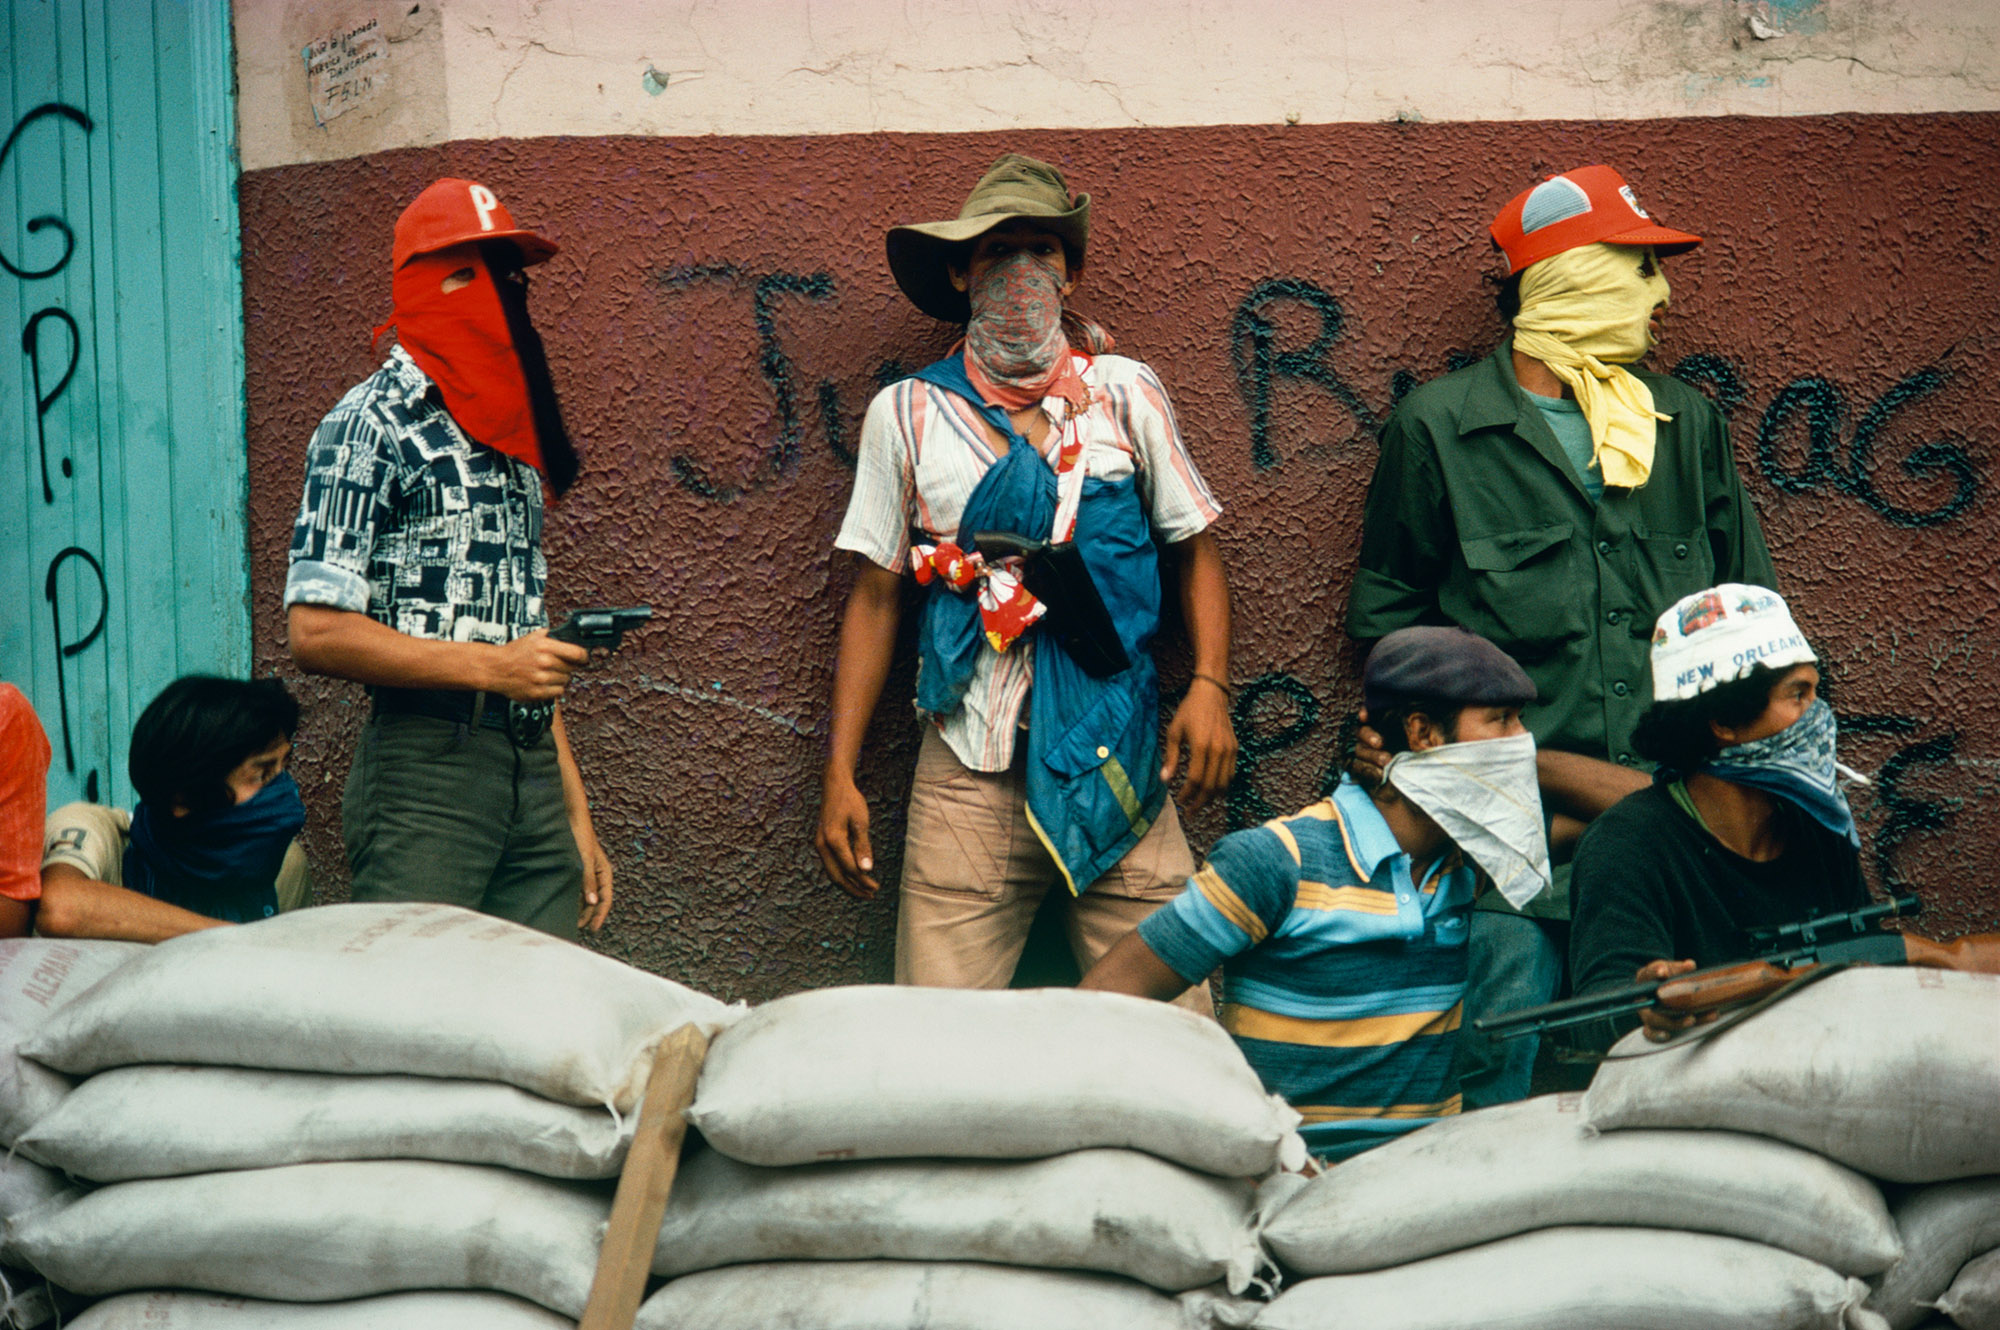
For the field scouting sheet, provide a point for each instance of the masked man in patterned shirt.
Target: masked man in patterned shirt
(417, 569)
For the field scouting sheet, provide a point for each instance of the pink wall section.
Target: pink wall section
(721, 314)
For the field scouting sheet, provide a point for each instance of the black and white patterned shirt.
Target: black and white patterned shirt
(407, 520)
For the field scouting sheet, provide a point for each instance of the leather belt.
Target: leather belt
(461, 706)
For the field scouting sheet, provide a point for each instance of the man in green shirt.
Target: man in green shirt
(1555, 502)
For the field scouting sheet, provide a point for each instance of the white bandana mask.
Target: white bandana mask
(1485, 796)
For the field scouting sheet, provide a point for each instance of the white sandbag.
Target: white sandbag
(322, 1232)
(901, 1295)
(156, 1122)
(1891, 1070)
(1973, 1300)
(422, 990)
(397, 1311)
(1942, 1228)
(1504, 1170)
(888, 1072)
(25, 1186)
(37, 976)
(1114, 1211)
(1584, 1279)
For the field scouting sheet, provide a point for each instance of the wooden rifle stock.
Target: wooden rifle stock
(1734, 985)
(1976, 953)
(1728, 986)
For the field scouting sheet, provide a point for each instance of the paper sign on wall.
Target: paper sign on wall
(346, 69)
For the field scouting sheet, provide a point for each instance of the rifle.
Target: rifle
(1789, 952)
(604, 627)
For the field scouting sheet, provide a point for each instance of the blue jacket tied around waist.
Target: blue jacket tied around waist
(1093, 744)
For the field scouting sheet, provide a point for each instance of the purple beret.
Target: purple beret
(1442, 665)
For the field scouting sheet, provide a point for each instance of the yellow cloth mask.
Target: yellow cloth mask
(1584, 314)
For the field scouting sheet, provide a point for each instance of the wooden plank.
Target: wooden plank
(626, 1258)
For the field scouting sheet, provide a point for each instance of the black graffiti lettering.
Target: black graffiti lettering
(1908, 815)
(45, 221)
(67, 650)
(1721, 379)
(776, 365)
(1929, 459)
(1824, 410)
(1260, 364)
(1245, 806)
(31, 338)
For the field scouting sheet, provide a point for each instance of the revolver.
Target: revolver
(603, 627)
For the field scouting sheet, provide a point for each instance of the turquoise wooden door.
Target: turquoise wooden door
(123, 487)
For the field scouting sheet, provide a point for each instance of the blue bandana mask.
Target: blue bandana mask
(1797, 764)
(224, 865)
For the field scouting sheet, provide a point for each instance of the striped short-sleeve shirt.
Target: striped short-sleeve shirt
(924, 450)
(1342, 977)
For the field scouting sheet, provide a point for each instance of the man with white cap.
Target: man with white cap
(1341, 931)
(1554, 499)
(417, 569)
(1744, 826)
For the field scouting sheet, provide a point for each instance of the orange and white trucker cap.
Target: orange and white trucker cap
(1588, 206)
(1719, 635)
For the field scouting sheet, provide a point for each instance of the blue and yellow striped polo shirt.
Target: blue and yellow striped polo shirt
(1342, 978)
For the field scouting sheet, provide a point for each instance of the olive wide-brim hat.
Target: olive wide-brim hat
(1014, 188)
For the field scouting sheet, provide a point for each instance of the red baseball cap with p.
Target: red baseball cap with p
(1588, 206)
(456, 212)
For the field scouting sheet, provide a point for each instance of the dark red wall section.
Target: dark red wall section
(721, 313)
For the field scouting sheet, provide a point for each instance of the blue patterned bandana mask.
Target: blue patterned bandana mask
(1797, 764)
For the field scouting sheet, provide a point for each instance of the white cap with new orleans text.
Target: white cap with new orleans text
(1719, 635)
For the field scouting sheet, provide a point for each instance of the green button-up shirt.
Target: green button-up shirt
(1475, 517)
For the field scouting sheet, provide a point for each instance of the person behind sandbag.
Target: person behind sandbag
(1744, 825)
(213, 838)
(1554, 498)
(1341, 931)
(1040, 766)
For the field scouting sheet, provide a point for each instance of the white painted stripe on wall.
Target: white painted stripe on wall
(430, 71)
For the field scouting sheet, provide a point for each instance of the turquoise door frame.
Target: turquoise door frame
(124, 485)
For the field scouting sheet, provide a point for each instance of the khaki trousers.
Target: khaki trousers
(974, 873)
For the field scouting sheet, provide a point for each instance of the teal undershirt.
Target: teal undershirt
(1572, 431)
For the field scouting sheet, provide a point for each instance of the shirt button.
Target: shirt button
(1103, 753)
(1624, 759)
(1680, 551)
(1612, 616)
(1604, 547)
(1619, 688)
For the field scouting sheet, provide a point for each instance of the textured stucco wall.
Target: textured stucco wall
(721, 314)
(475, 69)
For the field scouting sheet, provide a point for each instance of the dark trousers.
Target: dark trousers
(438, 811)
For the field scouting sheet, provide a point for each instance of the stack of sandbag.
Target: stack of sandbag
(1521, 1215)
(1043, 1160)
(1894, 1072)
(37, 976)
(342, 1103)
(1951, 1255)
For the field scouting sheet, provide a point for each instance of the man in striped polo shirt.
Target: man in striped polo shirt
(1341, 931)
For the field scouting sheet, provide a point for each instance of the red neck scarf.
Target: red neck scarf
(483, 361)
(1017, 344)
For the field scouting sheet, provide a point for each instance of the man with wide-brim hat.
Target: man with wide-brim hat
(1555, 498)
(417, 569)
(1040, 761)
